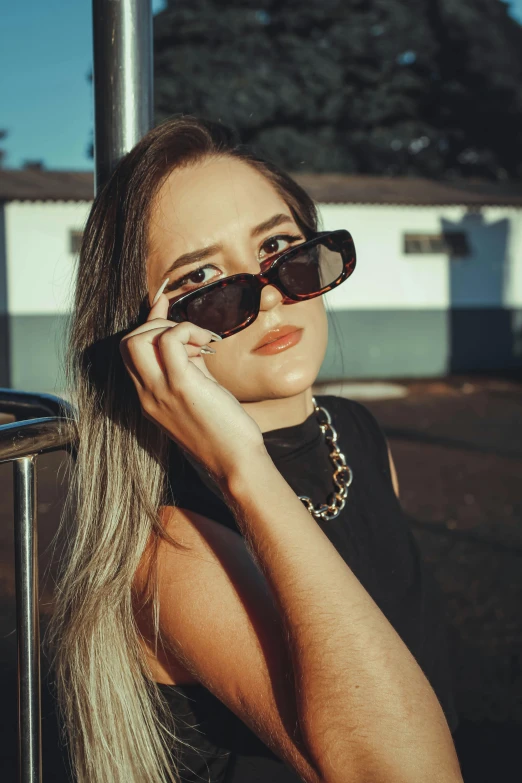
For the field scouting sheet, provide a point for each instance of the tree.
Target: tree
(429, 88)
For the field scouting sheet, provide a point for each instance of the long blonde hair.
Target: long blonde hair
(116, 723)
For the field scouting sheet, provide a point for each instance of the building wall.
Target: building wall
(403, 315)
(397, 316)
(40, 274)
(4, 317)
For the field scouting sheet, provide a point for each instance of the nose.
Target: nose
(270, 297)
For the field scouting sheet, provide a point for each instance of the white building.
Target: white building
(437, 288)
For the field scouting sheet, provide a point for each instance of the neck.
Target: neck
(281, 412)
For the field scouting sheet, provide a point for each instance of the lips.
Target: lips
(275, 334)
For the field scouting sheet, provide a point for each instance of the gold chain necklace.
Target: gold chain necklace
(342, 477)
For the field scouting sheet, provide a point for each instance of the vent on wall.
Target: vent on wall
(453, 243)
(75, 241)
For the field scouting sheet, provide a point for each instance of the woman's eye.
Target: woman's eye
(196, 278)
(272, 247)
(278, 244)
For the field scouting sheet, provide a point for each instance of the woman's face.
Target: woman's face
(220, 202)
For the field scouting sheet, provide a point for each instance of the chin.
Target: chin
(281, 383)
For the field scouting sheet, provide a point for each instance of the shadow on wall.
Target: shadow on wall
(482, 331)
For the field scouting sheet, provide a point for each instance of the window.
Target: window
(454, 243)
(75, 241)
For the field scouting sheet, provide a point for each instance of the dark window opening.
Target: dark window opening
(453, 243)
(75, 241)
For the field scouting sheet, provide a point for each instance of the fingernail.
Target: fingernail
(160, 291)
(206, 349)
(214, 335)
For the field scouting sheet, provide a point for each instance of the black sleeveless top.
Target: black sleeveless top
(372, 536)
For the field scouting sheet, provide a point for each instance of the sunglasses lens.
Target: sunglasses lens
(222, 309)
(312, 270)
(226, 307)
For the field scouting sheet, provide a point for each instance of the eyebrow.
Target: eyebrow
(210, 250)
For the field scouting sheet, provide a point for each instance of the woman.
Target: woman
(211, 624)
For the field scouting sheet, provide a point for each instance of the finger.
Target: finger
(198, 334)
(197, 337)
(154, 299)
(193, 346)
(160, 308)
(142, 383)
(160, 355)
(134, 348)
(128, 362)
(156, 323)
(176, 355)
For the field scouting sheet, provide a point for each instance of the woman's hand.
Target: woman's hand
(178, 393)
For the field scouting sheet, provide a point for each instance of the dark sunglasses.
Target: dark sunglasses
(303, 272)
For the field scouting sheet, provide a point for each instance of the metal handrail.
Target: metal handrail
(30, 405)
(122, 70)
(29, 438)
(20, 443)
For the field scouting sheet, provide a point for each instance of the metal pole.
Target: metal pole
(122, 74)
(27, 620)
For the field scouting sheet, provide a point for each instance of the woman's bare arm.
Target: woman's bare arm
(302, 656)
(365, 709)
(219, 623)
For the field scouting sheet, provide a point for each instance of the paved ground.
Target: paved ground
(457, 445)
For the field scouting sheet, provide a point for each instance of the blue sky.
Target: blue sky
(45, 98)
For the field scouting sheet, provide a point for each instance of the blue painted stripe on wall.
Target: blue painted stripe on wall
(362, 344)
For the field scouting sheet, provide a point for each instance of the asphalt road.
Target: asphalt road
(457, 446)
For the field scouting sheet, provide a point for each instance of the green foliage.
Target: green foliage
(432, 87)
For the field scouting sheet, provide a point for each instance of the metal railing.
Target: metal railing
(43, 424)
(122, 73)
